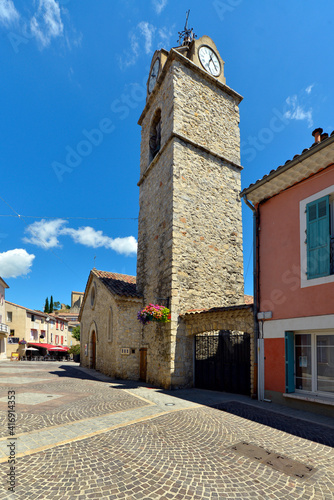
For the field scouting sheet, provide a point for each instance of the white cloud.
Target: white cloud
(47, 23)
(89, 237)
(165, 35)
(147, 30)
(15, 263)
(297, 111)
(46, 234)
(8, 12)
(143, 36)
(129, 57)
(159, 5)
(308, 89)
(126, 246)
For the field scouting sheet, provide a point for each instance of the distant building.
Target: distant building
(36, 328)
(76, 300)
(70, 315)
(3, 326)
(294, 215)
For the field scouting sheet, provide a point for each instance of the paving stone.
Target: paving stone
(162, 455)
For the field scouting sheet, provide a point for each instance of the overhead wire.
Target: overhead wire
(22, 217)
(66, 218)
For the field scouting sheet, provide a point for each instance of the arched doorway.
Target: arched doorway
(93, 350)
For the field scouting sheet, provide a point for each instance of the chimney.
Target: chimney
(317, 135)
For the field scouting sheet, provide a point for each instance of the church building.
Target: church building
(189, 230)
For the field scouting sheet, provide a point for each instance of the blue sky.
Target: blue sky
(73, 78)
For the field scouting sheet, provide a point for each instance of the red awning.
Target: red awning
(58, 348)
(49, 346)
(36, 344)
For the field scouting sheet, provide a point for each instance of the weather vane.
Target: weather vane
(187, 35)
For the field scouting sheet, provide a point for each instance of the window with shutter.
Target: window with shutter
(318, 238)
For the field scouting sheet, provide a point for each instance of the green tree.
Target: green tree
(46, 307)
(76, 332)
(56, 306)
(51, 309)
(75, 349)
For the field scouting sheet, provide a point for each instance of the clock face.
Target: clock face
(209, 60)
(153, 75)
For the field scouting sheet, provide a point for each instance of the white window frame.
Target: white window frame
(34, 334)
(314, 334)
(304, 282)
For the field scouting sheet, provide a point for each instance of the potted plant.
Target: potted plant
(22, 342)
(154, 312)
(75, 351)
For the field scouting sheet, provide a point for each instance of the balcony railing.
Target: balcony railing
(3, 328)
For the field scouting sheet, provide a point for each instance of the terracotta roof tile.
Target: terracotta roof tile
(249, 299)
(217, 309)
(120, 284)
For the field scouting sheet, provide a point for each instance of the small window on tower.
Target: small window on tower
(155, 135)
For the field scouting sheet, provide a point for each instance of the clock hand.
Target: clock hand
(213, 63)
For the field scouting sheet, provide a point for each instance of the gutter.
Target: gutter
(255, 287)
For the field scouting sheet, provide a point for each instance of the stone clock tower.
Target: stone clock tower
(190, 230)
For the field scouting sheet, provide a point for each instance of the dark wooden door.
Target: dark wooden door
(143, 364)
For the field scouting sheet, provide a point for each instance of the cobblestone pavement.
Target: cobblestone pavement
(144, 443)
(77, 400)
(297, 427)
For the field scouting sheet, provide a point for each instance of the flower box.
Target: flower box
(154, 312)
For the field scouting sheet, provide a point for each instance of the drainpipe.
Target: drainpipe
(255, 287)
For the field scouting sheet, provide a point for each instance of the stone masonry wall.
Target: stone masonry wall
(154, 261)
(126, 333)
(205, 114)
(207, 231)
(155, 226)
(163, 100)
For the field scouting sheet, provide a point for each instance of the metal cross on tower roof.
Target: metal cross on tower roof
(187, 35)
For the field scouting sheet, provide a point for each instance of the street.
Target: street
(69, 432)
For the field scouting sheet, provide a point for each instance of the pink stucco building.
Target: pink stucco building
(294, 287)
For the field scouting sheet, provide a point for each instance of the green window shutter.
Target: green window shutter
(289, 362)
(318, 238)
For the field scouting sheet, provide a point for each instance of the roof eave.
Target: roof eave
(254, 188)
